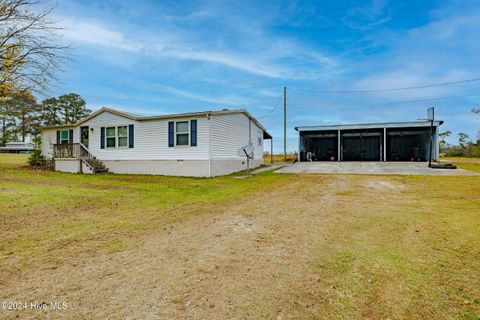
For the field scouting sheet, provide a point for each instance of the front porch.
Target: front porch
(76, 158)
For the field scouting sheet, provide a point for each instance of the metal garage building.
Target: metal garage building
(391, 141)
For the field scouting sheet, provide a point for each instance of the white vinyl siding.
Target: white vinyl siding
(150, 139)
(230, 133)
(49, 138)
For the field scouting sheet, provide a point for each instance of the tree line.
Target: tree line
(22, 116)
(31, 54)
(465, 146)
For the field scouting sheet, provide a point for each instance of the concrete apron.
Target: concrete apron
(413, 168)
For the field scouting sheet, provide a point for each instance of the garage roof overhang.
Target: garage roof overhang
(410, 124)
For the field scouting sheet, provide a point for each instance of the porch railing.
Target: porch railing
(79, 151)
(67, 150)
(85, 155)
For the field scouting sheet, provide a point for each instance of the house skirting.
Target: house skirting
(182, 168)
(67, 165)
(224, 167)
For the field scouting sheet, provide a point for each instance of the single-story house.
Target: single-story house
(199, 144)
(392, 141)
(17, 147)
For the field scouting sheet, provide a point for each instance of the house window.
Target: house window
(122, 133)
(64, 137)
(111, 137)
(181, 133)
(117, 137)
(260, 137)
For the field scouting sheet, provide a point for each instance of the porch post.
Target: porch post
(339, 148)
(299, 144)
(384, 144)
(271, 150)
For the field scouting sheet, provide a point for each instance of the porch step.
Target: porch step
(79, 151)
(96, 165)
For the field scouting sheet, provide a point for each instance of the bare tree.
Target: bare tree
(30, 53)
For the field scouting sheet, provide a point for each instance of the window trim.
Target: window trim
(116, 136)
(110, 137)
(188, 133)
(68, 136)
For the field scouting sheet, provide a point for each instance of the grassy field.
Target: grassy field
(271, 246)
(472, 164)
(279, 158)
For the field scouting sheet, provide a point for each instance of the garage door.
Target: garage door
(363, 148)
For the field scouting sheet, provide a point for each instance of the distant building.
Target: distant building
(17, 147)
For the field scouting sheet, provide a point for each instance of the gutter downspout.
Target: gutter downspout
(209, 116)
(271, 150)
(249, 130)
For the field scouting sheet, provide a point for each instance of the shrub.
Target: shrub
(456, 152)
(37, 159)
(470, 150)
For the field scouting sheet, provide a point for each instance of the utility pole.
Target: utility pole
(285, 123)
(431, 117)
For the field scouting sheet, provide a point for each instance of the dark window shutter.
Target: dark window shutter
(193, 133)
(70, 136)
(102, 138)
(130, 136)
(58, 136)
(171, 133)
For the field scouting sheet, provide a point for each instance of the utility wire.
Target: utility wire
(403, 101)
(391, 89)
(273, 109)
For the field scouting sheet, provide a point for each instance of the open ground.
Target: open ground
(273, 246)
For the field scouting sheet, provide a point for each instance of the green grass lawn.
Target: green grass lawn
(73, 205)
(472, 164)
(270, 246)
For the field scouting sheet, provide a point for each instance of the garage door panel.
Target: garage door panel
(361, 148)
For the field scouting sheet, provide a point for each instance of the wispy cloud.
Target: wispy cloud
(92, 33)
(442, 50)
(367, 16)
(273, 58)
(230, 100)
(247, 64)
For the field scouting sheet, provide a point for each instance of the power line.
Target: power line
(392, 89)
(404, 101)
(273, 109)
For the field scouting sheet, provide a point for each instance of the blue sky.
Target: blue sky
(157, 57)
